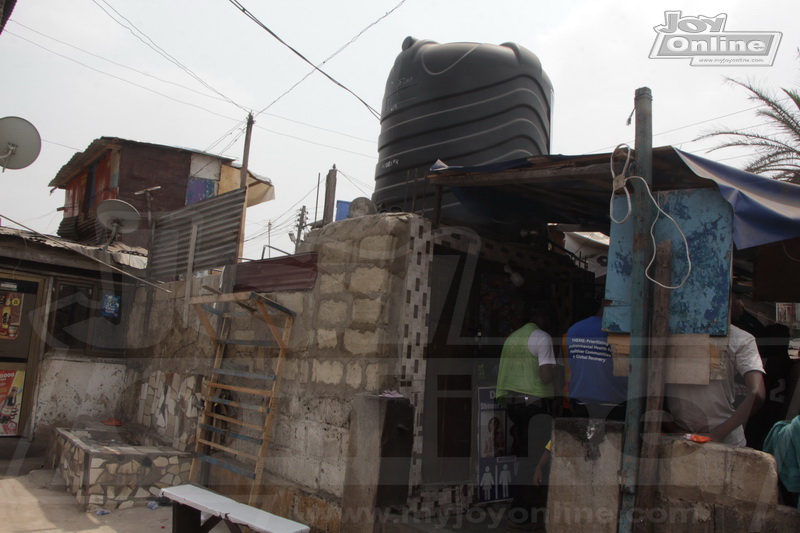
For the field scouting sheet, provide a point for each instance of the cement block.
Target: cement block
(354, 375)
(378, 248)
(328, 372)
(359, 342)
(716, 473)
(332, 283)
(333, 312)
(327, 338)
(368, 280)
(367, 310)
(584, 476)
(373, 377)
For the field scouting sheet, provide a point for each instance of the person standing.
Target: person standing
(594, 390)
(525, 389)
(712, 409)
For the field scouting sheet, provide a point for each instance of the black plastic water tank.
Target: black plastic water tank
(463, 103)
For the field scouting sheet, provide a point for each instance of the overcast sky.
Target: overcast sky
(77, 72)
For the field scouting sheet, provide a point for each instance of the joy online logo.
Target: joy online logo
(705, 41)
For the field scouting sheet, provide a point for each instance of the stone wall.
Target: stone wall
(351, 336)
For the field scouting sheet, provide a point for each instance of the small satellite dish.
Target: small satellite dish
(361, 206)
(119, 217)
(20, 143)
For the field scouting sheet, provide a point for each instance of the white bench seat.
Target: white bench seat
(230, 511)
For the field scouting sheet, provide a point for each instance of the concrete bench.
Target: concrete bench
(191, 500)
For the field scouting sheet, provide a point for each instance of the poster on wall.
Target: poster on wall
(11, 382)
(497, 441)
(10, 314)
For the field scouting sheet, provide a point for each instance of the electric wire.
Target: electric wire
(202, 108)
(620, 182)
(163, 53)
(252, 17)
(337, 52)
(78, 251)
(200, 93)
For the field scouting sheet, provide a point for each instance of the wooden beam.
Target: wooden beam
(246, 390)
(517, 176)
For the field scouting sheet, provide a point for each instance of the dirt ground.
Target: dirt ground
(38, 501)
(34, 499)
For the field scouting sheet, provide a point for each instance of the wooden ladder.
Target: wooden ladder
(260, 396)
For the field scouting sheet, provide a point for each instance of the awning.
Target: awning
(576, 190)
(765, 210)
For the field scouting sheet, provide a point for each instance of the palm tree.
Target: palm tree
(778, 152)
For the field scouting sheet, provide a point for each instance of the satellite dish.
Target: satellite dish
(20, 143)
(119, 217)
(361, 206)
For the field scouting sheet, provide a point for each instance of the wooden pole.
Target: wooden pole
(243, 183)
(330, 197)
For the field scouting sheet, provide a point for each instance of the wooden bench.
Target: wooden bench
(191, 500)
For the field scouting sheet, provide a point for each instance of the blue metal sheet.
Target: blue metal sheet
(701, 304)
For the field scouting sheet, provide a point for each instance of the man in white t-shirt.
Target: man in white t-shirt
(709, 409)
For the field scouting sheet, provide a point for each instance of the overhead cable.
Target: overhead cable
(252, 17)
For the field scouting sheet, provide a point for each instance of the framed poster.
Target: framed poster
(497, 441)
(11, 383)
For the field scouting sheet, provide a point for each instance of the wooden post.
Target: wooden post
(330, 197)
(243, 183)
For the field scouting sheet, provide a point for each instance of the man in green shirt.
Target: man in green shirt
(525, 388)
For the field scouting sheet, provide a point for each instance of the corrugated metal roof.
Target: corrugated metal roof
(218, 221)
(96, 147)
(292, 272)
(122, 254)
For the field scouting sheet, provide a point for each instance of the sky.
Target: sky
(84, 69)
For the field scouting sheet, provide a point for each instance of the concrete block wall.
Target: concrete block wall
(709, 488)
(715, 473)
(347, 340)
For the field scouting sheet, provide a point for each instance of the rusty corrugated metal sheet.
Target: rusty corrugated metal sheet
(218, 223)
(291, 272)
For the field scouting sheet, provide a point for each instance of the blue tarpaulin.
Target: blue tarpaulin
(576, 189)
(764, 210)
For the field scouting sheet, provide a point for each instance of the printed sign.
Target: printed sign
(10, 314)
(111, 305)
(11, 382)
(706, 43)
(497, 441)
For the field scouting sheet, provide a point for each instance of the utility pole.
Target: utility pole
(301, 222)
(330, 197)
(642, 301)
(243, 182)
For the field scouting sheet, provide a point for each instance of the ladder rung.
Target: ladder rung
(227, 466)
(223, 401)
(221, 431)
(226, 449)
(242, 374)
(247, 390)
(217, 416)
(220, 312)
(242, 342)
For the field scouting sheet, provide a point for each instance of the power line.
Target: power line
(200, 93)
(686, 126)
(202, 108)
(119, 64)
(163, 53)
(337, 52)
(301, 56)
